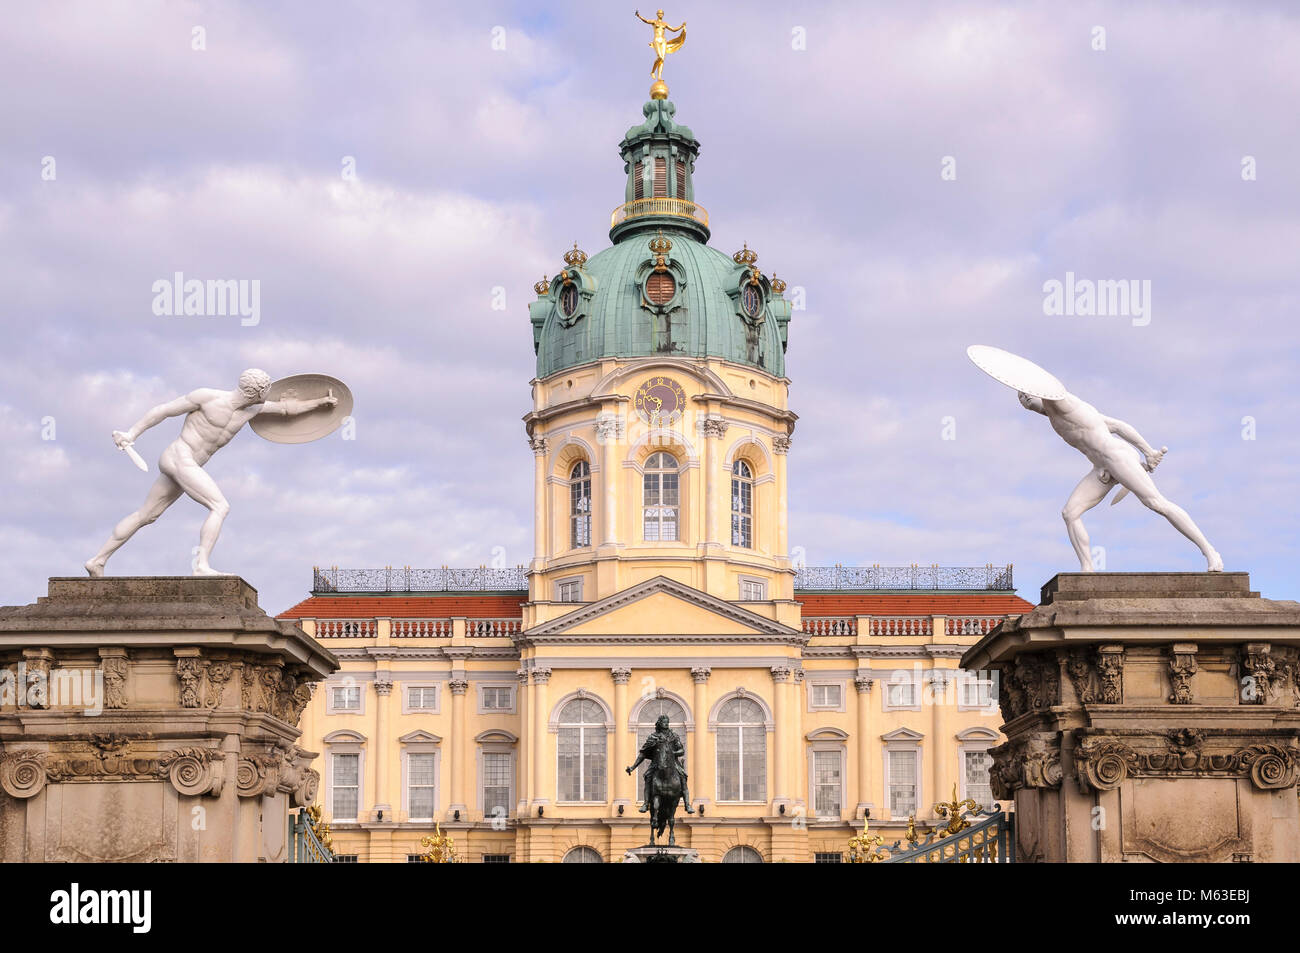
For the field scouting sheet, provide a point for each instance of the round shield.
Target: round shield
(309, 425)
(1015, 371)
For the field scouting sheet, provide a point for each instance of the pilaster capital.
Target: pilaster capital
(537, 445)
(781, 443)
(621, 675)
(781, 673)
(700, 674)
(863, 683)
(458, 686)
(383, 683)
(541, 676)
(714, 427)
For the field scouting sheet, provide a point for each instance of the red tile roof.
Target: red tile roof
(486, 606)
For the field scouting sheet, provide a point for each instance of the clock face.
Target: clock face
(660, 401)
(751, 300)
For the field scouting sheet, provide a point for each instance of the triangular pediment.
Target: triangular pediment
(663, 607)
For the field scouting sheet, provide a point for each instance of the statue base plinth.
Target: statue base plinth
(661, 854)
(152, 718)
(1149, 717)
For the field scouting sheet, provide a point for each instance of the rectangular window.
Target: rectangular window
(496, 858)
(569, 591)
(976, 768)
(661, 177)
(345, 858)
(902, 783)
(742, 509)
(825, 857)
(976, 692)
(422, 697)
(638, 181)
(826, 695)
(752, 590)
(346, 786)
(681, 180)
(827, 783)
(900, 691)
(728, 764)
(580, 512)
(496, 783)
(345, 698)
(420, 800)
(497, 699)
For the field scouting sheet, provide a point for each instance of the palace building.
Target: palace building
(505, 705)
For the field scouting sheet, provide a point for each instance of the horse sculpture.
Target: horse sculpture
(665, 783)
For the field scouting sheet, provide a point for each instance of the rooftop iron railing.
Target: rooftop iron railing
(807, 578)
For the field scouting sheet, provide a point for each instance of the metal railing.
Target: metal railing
(807, 578)
(304, 846)
(988, 841)
(990, 577)
(640, 208)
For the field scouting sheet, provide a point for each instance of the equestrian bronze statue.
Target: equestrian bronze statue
(665, 779)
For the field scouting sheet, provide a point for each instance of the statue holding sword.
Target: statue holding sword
(212, 418)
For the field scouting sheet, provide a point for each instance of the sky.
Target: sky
(396, 176)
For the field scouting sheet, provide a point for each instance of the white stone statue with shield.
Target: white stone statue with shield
(293, 410)
(1105, 441)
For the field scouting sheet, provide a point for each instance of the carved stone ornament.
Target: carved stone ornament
(714, 427)
(194, 771)
(1031, 761)
(781, 443)
(621, 675)
(114, 668)
(1029, 683)
(1258, 673)
(189, 670)
(1103, 762)
(863, 683)
(1097, 674)
(1182, 666)
(22, 773)
(537, 444)
(700, 674)
(1110, 669)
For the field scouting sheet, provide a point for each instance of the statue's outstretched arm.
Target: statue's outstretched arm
(674, 29)
(289, 407)
(1129, 434)
(643, 19)
(173, 408)
(636, 764)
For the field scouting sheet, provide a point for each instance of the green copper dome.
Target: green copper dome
(661, 289)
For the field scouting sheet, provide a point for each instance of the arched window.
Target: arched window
(660, 497)
(583, 855)
(742, 505)
(581, 751)
(742, 855)
(742, 751)
(580, 505)
(645, 725)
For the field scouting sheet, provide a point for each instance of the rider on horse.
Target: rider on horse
(663, 735)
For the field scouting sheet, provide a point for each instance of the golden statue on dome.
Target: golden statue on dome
(662, 47)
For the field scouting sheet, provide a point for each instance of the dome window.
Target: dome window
(569, 300)
(751, 300)
(660, 287)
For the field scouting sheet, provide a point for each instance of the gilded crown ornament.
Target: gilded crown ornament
(778, 286)
(542, 287)
(746, 256)
(662, 46)
(660, 247)
(575, 257)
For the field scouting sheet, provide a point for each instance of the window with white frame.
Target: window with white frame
(975, 771)
(580, 750)
(580, 505)
(902, 690)
(753, 590)
(568, 590)
(583, 855)
(497, 697)
(422, 697)
(902, 782)
(828, 783)
(826, 695)
(498, 766)
(421, 797)
(976, 690)
(345, 698)
(660, 499)
(742, 505)
(742, 751)
(742, 855)
(345, 785)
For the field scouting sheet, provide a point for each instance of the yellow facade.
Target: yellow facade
(653, 624)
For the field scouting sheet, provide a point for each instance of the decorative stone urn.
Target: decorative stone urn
(152, 718)
(1149, 717)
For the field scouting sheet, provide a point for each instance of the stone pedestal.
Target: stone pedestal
(1149, 717)
(661, 854)
(147, 718)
